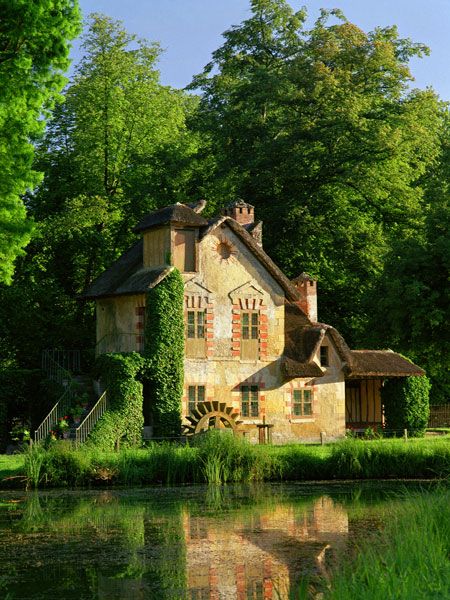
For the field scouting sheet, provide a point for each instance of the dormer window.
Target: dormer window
(324, 357)
(184, 257)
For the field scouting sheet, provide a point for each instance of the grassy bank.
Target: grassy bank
(217, 458)
(407, 560)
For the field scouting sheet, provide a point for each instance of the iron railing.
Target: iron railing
(86, 426)
(59, 364)
(120, 342)
(58, 411)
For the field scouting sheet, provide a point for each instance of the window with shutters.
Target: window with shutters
(195, 333)
(302, 403)
(249, 401)
(250, 334)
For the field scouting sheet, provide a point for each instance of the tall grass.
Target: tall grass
(33, 460)
(220, 458)
(408, 560)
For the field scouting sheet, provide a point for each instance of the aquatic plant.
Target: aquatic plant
(396, 562)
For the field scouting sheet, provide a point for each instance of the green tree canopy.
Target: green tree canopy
(413, 308)
(117, 148)
(317, 128)
(34, 48)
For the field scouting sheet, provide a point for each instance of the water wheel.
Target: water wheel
(211, 415)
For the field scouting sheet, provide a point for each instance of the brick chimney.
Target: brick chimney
(307, 288)
(241, 212)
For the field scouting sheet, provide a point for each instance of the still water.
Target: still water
(194, 543)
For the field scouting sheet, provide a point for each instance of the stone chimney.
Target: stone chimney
(307, 288)
(241, 212)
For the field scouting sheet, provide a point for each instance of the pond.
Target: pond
(194, 543)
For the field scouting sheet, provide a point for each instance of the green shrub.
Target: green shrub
(123, 421)
(164, 347)
(406, 404)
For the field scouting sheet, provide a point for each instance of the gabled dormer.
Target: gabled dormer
(170, 237)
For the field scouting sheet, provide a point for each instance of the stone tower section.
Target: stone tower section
(307, 288)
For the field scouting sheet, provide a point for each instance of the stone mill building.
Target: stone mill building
(257, 357)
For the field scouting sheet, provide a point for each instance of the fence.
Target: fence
(439, 415)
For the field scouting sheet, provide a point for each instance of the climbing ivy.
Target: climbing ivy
(406, 404)
(123, 421)
(164, 349)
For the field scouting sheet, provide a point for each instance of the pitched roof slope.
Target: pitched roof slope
(242, 233)
(126, 276)
(300, 342)
(381, 363)
(176, 213)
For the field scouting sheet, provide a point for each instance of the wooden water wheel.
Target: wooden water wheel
(211, 415)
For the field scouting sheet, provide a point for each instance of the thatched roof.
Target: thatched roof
(126, 276)
(381, 363)
(301, 339)
(176, 213)
(293, 368)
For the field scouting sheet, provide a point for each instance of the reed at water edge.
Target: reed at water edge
(218, 458)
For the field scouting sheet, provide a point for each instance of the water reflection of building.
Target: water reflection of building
(263, 554)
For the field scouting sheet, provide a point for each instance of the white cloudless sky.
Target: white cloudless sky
(190, 30)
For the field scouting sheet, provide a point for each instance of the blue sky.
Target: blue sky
(190, 30)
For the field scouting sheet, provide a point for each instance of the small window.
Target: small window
(195, 324)
(184, 250)
(196, 394)
(249, 323)
(250, 401)
(302, 403)
(324, 359)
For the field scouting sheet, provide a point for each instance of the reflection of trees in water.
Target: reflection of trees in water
(162, 543)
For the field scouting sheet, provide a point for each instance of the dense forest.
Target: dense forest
(320, 128)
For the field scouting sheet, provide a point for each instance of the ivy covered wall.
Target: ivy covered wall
(164, 350)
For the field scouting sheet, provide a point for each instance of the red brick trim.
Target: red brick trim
(197, 302)
(139, 327)
(289, 403)
(236, 395)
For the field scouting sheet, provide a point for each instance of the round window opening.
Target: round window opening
(224, 250)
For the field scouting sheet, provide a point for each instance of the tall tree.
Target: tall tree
(318, 129)
(108, 146)
(115, 149)
(34, 48)
(412, 311)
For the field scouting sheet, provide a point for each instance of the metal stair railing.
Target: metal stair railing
(86, 426)
(54, 371)
(59, 410)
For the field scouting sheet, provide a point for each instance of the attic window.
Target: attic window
(324, 357)
(184, 250)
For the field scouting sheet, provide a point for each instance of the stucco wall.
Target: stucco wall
(118, 322)
(224, 281)
(224, 287)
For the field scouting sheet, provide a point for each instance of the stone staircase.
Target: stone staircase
(80, 402)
